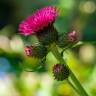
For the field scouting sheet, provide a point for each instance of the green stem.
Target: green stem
(70, 83)
(84, 42)
(58, 56)
(78, 84)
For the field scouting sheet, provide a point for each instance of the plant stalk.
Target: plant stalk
(58, 56)
(72, 85)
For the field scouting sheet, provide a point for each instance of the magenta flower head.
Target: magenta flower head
(39, 20)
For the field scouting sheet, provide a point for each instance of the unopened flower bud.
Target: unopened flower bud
(61, 72)
(72, 36)
(28, 50)
(36, 51)
(68, 39)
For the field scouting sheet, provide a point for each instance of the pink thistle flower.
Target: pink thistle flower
(40, 19)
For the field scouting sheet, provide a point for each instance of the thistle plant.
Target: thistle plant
(41, 24)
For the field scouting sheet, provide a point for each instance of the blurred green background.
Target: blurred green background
(14, 80)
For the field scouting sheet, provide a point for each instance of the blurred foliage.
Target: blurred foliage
(74, 14)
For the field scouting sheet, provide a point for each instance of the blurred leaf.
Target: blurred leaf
(15, 59)
(33, 64)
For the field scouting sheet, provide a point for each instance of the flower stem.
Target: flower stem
(58, 56)
(70, 83)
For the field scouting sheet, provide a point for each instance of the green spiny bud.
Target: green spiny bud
(61, 72)
(38, 51)
(68, 39)
(47, 35)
